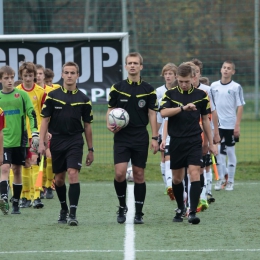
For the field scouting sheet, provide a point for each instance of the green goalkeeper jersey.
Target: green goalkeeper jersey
(17, 105)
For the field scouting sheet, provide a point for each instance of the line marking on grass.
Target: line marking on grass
(129, 242)
(140, 251)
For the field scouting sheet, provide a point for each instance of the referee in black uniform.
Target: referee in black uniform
(63, 112)
(139, 99)
(184, 105)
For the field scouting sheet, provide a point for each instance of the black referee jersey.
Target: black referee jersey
(136, 98)
(67, 110)
(186, 123)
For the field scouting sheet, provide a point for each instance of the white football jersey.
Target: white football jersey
(160, 91)
(226, 98)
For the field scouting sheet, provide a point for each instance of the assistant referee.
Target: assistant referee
(63, 112)
(184, 105)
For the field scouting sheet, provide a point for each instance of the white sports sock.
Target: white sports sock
(221, 159)
(203, 194)
(188, 189)
(163, 173)
(232, 163)
(168, 174)
(209, 177)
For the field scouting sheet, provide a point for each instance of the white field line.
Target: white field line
(142, 250)
(129, 243)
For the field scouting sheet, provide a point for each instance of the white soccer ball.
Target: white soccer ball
(129, 174)
(118, 117)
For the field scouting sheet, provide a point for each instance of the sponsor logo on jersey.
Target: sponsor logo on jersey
(34, 97)
(58, 107)
(12, 112)
(123, 100)
(141, 103)
(16, 95)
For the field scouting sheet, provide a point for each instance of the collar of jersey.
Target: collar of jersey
(134, 83)
(189, 91)
(26, 89)
(66, 91)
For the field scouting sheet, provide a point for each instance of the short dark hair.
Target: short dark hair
(17, 82)
(6, 69)
(135, 54)
(48, 73)
(38, 67)
(71, 63)
(230, 62)
(29, 66)
(204, 80)
(198, 63)
(184, 70)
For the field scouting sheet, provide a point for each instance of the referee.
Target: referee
(139, 99)
(63, 112)
(183, 106)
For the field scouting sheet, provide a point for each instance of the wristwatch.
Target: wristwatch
(181, 108)
(91, 149)
(155, 138)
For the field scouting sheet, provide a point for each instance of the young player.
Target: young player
(184, 105)
(67, 106)
(17, 106)
(48, 79)
(169, 74)
(28, 73)
(139, 99)
(229, 100)
(47, 170)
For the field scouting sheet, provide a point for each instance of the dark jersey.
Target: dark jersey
(67, 110)
(136, 98)
(186, 123)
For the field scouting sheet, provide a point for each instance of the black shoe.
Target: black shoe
(25, 203)
(138, 218)
(121, 214)
(49, 193)
(210, 198)
(63, 216)
(193, 219)
(42, 195)
(72, 221)
(15, 209)
(37, 204)
(179, 215)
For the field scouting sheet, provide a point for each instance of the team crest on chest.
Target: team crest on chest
(35, 97)
(141, 103)
(16, 95)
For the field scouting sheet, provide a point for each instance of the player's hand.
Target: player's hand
(189, 107)
(237, 131)
(42, 149)
(154, 146)
(35, 142)
(162, 145)
(114, 129)
(213, 149)
(90, 158)
(49, 135)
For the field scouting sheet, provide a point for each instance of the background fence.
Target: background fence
(162, 31)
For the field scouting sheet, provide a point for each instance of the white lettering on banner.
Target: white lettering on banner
(99, 93)
(86, 59)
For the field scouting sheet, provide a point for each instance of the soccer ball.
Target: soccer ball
(118, 117)
(129, 174)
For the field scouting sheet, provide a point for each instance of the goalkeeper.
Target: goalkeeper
(16, 105)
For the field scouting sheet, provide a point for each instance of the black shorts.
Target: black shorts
(66, 153)
(15, 155)
(228, 135)
(137, 152)
(166, 150)
(186, 151)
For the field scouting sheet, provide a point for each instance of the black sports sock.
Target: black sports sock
(17, 189)
(62, 195)
(139, 192)
(4, 188)
(120, 188)
(178, 193)
(195, 189)
(74, 192)
(202, 182)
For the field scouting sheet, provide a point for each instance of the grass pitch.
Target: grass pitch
(229, 229)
